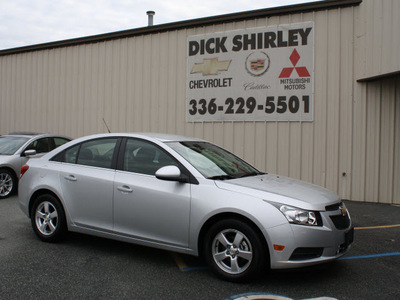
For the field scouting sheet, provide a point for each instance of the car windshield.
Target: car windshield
(212, 161)
(10, 144)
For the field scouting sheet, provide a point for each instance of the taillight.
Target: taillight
(24, 168)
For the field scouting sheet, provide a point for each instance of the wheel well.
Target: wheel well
(223, 216)
(12, 172)
(38, 194)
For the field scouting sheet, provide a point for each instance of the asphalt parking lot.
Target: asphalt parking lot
(85, 267)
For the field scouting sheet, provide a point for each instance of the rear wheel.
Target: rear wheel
(48, 219)
(8, 183)
(234, 251)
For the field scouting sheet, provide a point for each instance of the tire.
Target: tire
(8, 183)
(48, 219)
(234, 251)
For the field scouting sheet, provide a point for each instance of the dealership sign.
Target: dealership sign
(257, 74)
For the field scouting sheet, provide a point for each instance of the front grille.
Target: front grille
(306, 253)
(340, 221)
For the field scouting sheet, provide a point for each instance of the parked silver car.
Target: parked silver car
(185, 195)
(15, 149)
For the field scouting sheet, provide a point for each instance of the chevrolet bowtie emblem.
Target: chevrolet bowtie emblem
(211, 66)
(344, 211)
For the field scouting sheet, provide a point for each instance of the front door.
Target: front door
(146, 207)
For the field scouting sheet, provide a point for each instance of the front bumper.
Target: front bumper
(310, 245)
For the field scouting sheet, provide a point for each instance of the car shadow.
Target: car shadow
(104, 246)
(101, 249)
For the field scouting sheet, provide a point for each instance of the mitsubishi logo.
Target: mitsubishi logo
(301, 71)
(210, 66)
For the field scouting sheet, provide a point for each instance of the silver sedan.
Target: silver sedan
(185, 195)
(15, 149)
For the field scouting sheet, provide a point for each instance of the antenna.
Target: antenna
(106, 126)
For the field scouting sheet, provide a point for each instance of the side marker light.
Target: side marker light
(279, 247)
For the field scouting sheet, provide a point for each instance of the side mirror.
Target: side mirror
(170, 173)
(28, 153)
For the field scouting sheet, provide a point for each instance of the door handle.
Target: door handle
(125, 189)
(70, 178)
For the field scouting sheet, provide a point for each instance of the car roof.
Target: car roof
(24, 133)
(26, 136)
(30, 136)
(163, 137)
(34, 134)
(159, 137)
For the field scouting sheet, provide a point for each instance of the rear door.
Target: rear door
(87, 180)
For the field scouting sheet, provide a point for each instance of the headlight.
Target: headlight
(299, 216)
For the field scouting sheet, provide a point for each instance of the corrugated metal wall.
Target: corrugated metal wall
(377, 41)
(376, 144)
(138, 84)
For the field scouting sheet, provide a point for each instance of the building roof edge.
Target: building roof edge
(233, 17)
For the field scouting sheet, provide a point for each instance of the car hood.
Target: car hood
(284, 190)
(5, 158)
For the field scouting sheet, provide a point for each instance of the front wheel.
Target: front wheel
(234, 251)
(48, 219)
(8, 183)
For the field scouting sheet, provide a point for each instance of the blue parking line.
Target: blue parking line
(185, 269)
(370, 256)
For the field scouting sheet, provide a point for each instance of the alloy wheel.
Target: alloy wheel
(6, 184)
(46, 218)
(232, 251)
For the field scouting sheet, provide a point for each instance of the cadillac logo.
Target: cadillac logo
(257, 63)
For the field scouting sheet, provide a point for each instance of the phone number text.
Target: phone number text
(240, 105)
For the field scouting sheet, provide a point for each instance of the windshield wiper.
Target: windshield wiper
(221, 177)
(251, 174)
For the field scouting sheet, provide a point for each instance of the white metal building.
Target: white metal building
(331, 117)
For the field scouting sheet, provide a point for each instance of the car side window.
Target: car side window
(40, 145)
(69, 155)
(59, 141)
(97, 153)
(145, 158)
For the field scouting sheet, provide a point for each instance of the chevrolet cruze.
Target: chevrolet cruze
(185, 195)
(15, 150)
